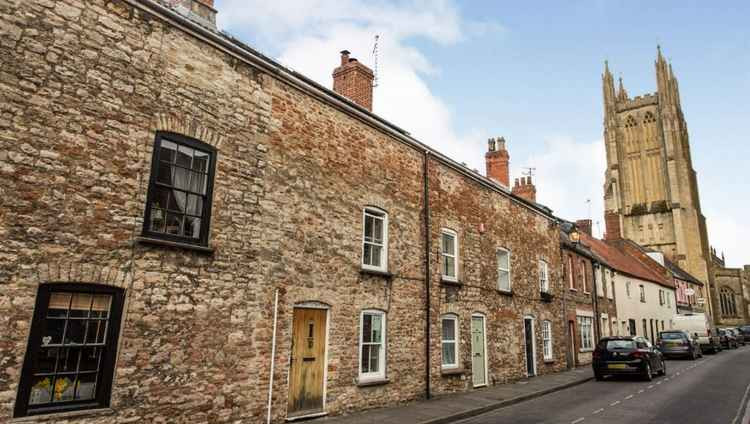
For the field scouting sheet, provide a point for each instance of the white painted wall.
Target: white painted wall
(631, 307)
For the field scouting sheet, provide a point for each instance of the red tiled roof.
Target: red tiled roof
(622, 261)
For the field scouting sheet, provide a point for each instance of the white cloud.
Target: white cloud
(308, 36)
(568, 172)
(729, 236)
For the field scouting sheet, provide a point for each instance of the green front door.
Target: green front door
(478, 370)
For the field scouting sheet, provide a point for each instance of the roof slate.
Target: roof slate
(626, 263)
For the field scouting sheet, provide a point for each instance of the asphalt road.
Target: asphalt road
(714, 389)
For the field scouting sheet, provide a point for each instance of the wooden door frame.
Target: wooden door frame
(484, 342)
(327, 309)
(533, 346)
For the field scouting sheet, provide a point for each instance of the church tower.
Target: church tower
(650, 188)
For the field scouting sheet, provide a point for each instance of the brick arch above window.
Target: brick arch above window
(84, 273)
(187, 126)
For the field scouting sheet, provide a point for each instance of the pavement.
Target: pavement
(714, 389)
(452, 407)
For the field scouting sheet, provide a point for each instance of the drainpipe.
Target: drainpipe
(594, 290)
(427, 282)
(569, 352)
(273, 353)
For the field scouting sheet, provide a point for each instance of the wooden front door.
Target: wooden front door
(478, 369)
(307, 362)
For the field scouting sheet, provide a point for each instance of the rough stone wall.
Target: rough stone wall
(577, 299)
(485, 221)
(736, 280)
(325, 167)
(84, 87)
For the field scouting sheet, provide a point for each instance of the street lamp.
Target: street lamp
(575, 237)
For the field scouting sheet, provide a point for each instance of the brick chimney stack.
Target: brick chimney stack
(612, 226)
(523, 187)
(584, 226)
(497, 160)
(200, 11)
(354, 81)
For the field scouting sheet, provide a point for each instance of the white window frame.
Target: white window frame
(661, 297)
(601, 289)
(669, 298)
(627, 289)
(611, 293)
(376, 213)
(547, 340)
(379, 375)
(543, 276)
(443, 255)
(500, 269)
(642, 292)
(454, 318)
(587, 336)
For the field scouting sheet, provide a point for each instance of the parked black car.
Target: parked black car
(678, 343)
(632, 355)
(742, 339)
(728, 341)
(745, 330)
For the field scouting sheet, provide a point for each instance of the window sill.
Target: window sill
(452, 371)
(375, 272)
(572, 289)
(373, 382)
(64, 415)
(549, 361)
(169, 243)
(505, 292)
(586, 350)
(449, 282)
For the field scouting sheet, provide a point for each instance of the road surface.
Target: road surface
(714, 389)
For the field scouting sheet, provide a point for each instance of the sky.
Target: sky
(454, 74)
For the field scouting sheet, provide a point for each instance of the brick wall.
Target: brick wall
(85, 86)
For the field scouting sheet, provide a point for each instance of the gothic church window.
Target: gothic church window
(727, 301)
(630, 122)
(649, 118)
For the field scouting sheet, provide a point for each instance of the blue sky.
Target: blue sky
(455, 74)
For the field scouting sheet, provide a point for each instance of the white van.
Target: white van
(698, 325)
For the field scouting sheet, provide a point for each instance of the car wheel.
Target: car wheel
(663, 368)
(647, 375)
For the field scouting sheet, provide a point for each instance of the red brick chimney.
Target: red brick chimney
(354, 80)
(497, 159)
(612, 226)
(584, 226)
(525, 188)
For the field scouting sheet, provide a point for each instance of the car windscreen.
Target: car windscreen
(620, 344)
(672, 336)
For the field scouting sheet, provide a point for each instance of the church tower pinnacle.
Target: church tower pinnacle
(650, 189)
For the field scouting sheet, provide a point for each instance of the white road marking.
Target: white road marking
(650, 387)
(614, 403)
(640, 391)
(628, 397)
(658, 382)
(743, 403)
(577, 421)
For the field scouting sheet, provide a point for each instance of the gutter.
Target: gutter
(248, 55)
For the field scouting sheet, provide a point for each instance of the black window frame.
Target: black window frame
(196, 144)
(34, 345)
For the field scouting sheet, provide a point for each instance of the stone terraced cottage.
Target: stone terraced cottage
(189, 227)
